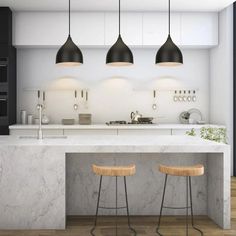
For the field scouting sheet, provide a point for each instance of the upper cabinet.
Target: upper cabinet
(131, 28)
(199, 29)
(51, 28)
(88, 28)
(5, 26)
(99, 29)
(155, 28)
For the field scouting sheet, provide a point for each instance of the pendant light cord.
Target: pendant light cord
(169, 17)
(119, 17)
(69, 17)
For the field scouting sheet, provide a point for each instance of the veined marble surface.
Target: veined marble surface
(34, 184)
(104, 126)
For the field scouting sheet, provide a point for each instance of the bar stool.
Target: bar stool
(114, 171)
(188, 172)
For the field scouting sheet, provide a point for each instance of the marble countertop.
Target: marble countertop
(104, 126)
(114, 143)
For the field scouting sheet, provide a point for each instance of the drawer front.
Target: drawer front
(34, 132)
(23, 132)
(144, 132)
(90, 132)
(183, 131)
(52, 131)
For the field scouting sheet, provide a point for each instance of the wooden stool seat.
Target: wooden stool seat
(196, 170)
(114, 170)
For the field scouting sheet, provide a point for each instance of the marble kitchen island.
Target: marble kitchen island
(42, 181)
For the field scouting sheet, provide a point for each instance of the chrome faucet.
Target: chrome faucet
(40, 131)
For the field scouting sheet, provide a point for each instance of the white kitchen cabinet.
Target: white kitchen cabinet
(131, 28)
(155, 28)
(183, 131)
(87, 28)
(199, 29)
(40, 28)
(19, 132)
(51, 28)
(195, 29)
(90, 132)
(144, 132)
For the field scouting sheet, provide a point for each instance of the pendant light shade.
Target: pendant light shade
(69, 54)
(119, 54)
(169, 54)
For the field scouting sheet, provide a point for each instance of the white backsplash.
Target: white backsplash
(113, 92)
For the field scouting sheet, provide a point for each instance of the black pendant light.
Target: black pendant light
(169, 54)
(69, 54)
(119, 54)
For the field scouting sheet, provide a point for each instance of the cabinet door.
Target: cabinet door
(49, 29)
(3, 70)
(22, 132)
(131, 28)
(88, 28)
(183, 131)
(3, 106)
(155, 28)
(199, 29)
(90, 132)
(5, 26)
(144, 132)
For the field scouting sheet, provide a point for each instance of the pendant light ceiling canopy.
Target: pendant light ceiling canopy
(69, 54)
(169, 54)
(119, 54)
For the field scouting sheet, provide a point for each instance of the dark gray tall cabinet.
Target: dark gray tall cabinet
(7, 72)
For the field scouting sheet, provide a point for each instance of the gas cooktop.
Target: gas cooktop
(123, 122)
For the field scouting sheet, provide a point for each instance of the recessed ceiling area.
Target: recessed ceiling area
(111, 5)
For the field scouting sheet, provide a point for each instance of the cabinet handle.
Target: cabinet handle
(3, 99)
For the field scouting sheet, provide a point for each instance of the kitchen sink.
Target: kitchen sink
(46, 137)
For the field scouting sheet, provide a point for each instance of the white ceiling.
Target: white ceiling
(110, 5)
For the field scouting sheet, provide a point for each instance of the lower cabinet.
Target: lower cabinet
(144, 132)
(183, 131)
(34, 132)
(90, 132)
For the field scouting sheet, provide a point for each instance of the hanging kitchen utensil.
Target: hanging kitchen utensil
(44, 100)
(175, 98)
(154, 105)
(75, 105)
(86, 100)
(184, 98)
(38, 96)
(189, 98)
(180, 98)
(194, 97)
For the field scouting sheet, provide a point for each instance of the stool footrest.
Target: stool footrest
(176, 207)
(112, 208)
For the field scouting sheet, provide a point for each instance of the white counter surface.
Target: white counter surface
(114, 143)
(35, 171)
(104, 126)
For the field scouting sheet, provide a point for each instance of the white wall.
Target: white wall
(221, 70)
(113, 92)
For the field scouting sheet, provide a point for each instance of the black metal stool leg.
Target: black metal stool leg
(127, 207)
(116, 205)
(98, 200)
(186, 206)
(162, 202)
(191, 206)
